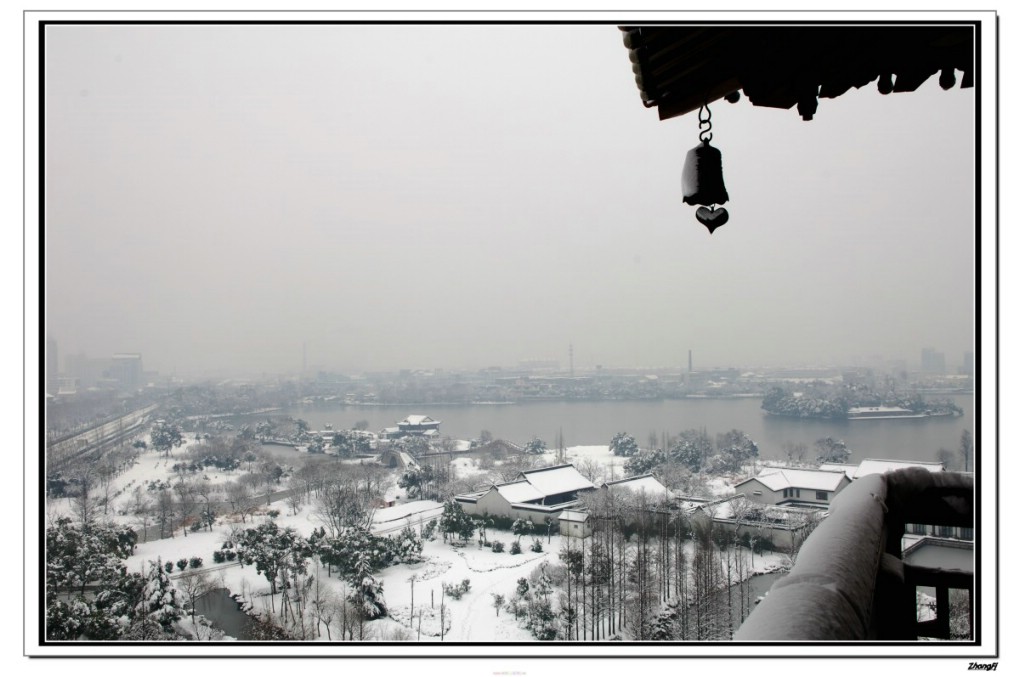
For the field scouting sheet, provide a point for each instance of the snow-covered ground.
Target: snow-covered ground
(471, 618)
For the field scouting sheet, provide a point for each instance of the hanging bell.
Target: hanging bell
(702, 183)
(702, 179)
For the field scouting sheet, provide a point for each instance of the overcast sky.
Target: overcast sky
(466, 196)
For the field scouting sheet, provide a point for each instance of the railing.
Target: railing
(850, 583)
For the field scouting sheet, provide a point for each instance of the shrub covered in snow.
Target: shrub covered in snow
(407, 546)
(457, 591)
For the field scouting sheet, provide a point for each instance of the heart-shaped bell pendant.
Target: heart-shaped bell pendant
(712, 218)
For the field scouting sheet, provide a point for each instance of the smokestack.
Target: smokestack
(690, 362)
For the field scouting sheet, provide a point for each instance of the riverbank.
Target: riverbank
(595, 423)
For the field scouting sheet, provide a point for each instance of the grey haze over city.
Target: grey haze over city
(240, 199)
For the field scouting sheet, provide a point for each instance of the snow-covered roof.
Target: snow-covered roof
(688, 504)
(726, 509)
(573, 516)
(646, 483)
(557, 479)
(418, 419)
(849, 469)
(519, 492)
(786, 478)
(405, 510)
(537, 485)
(877, 466)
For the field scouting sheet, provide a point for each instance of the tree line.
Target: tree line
(646, 572)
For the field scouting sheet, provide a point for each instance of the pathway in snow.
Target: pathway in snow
(508, 577)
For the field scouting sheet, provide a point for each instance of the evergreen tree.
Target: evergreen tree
(273, 551)
(407, 546)
(166, 435)
(415, 479)
(623, 444)
(535, 447)
(455, 521)
(160, 601)
(367, 592)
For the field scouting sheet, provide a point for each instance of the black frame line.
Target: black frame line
(978, 87)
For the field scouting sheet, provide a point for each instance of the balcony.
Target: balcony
(850, 581)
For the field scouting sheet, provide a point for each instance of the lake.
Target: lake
(590, 423)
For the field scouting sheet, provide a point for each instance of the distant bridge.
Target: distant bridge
(496, 448)
(395, 458)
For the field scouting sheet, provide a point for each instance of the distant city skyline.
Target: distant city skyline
(67, 362)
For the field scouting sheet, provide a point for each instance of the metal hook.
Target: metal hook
(705, 122)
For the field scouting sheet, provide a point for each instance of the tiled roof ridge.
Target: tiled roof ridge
(552, 467)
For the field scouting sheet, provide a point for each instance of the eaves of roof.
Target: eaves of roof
(679, 68)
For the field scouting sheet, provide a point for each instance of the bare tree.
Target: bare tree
(948, 459)
(206, 493)
(341, 504)
(675, 476)
(185, 504)
(512, 466)
(966, 449)
(165, 506)
(84, 503)
(591, 469)
(795, 452)
(141, 507)
(309, 477)
(105, 473)
(294, 496)
(241, 499)
(194, 584)
(325, 608)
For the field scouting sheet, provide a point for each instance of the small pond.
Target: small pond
(225, 614)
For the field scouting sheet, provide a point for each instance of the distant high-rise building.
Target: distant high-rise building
(126, 369)
(85, 370)
(933, 362)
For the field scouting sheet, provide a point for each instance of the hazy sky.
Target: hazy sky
(466, 196)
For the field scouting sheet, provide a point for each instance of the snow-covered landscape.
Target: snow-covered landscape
(454, 589)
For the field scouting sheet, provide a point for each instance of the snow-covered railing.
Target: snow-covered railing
(849, 581)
